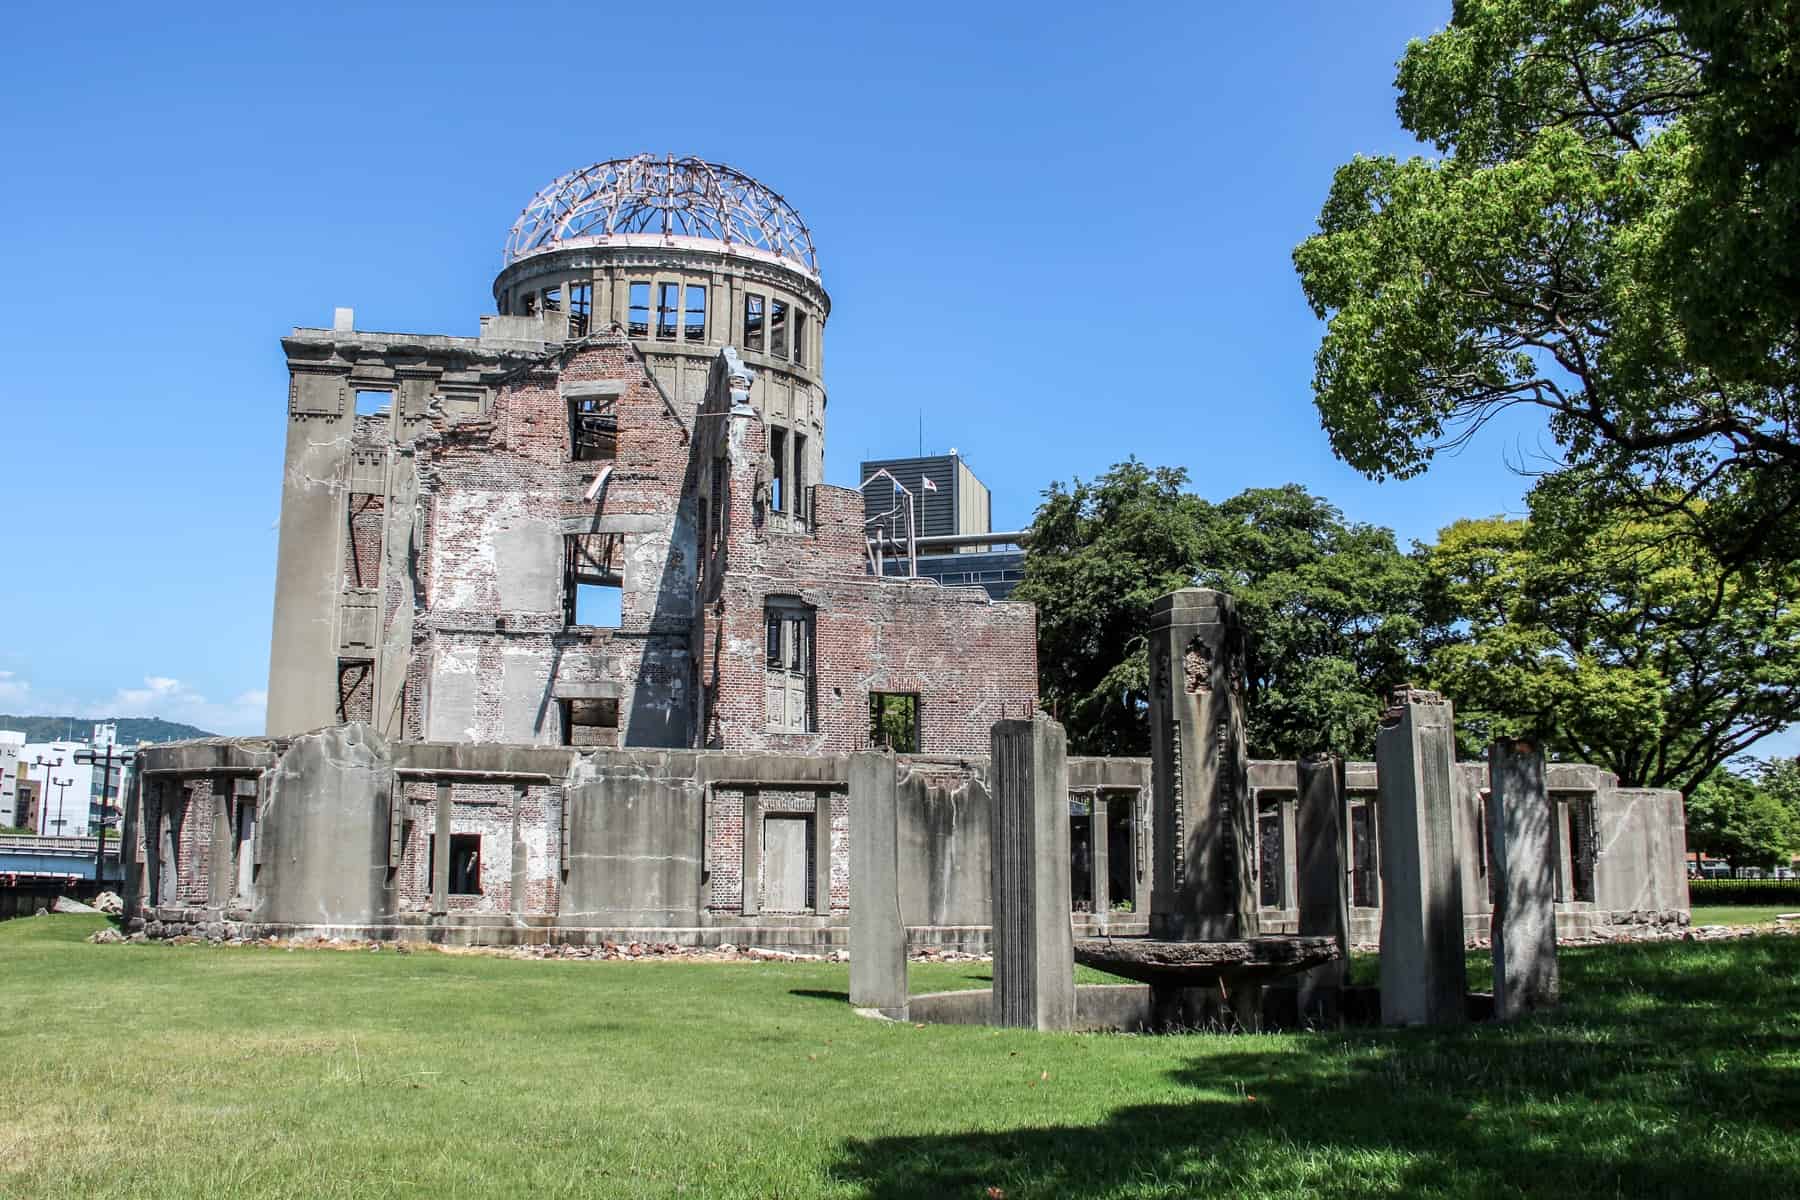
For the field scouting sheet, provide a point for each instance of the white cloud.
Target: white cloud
(172, 700)
(13, 690)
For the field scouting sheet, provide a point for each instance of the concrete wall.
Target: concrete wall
(654, 844)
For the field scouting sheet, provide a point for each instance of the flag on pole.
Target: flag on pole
(928, 485)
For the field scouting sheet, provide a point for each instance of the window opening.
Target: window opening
(799, 338)
(465, 864)
(594, 429)
(581, 309)
(1272, 854)
(637, 323)
(372, 403)
(668, 308)
(553, 299)
(753, 321)
(894, 721)
(778, 453)
(528, 304)
(1081, 854)
(1121, 850)
(695, 330)
(778, 328)
(591, 722)
(799, 484)
(594, 580)
(788, 659)
(1365, 884)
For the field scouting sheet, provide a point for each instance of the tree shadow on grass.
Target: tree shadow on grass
(1668, 1074)
(820, 994)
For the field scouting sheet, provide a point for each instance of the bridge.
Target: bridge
(28, 860)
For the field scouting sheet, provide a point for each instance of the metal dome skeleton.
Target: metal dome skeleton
(668, 201)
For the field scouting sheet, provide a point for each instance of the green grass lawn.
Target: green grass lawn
(1738, 914)
(157, 1071)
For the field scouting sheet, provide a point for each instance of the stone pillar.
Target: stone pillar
(1523, 925)
(521, 854)
(440, 858)
(1034, 946)
(1322, 881)
(877, 934)
(821, 853)
(218, 850)
(1205, 886)
(1100, 860)
(1422, 966)
(751, 903)
(168, 840)
(153, 791)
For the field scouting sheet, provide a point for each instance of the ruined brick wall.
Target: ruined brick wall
(507, 824)
(499, 495)
(971, 660)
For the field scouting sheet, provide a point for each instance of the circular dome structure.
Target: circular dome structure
(646, 200)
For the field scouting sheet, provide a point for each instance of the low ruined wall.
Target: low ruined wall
(336, 832)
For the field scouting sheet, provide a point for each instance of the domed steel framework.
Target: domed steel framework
(646, 198)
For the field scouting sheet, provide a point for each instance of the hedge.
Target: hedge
(1744, 891)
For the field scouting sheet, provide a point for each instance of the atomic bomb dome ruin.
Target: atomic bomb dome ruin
(572, 643)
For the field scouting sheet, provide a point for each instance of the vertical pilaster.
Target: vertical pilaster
(218, 851)
(520, 860)
(1100, 859)
(1034, 947)
(821, 854)
(1321, 885)
(1205, 885)
(1422, 964)
(440, 857)
(1519, 855)
(877, 933)
(752, 864)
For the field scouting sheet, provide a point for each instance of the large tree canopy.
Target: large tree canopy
(1328, 606)
(1607, 234)
(1633, 649)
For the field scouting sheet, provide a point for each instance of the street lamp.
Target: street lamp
(62, 788)
(44, 795)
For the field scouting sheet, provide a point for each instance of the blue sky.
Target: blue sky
(1059, 234)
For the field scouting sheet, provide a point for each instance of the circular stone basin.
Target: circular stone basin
(1191, 964)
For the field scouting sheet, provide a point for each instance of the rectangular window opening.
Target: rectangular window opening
(637, 321)
(753, 322)
(778, 480)
(591, 722)
(594, 429)
(668, 309)
(788, 660)
(778, 328)
(799, 481)
(594, 580)
(553, 299)
(695, 327)
(894, 721)
(528, 304)
(799, 338)
(1271, 855)
(581, 309)
(372, 403)
(465, 863)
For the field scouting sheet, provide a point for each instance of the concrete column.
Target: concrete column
(1322, 878)
(1205, 886)
(520, 855)
(154, 791)
(751, 904)
(1519, 855)
(1100, 859)
(440, 857)
(218, 851)
(168, 838)
(1422, 967)
(877, 934)
(821, 854)
(1034, 946)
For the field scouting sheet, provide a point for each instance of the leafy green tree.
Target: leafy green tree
(1329, 607)
(1635, 650)
(1733, 817)
(1606, 234)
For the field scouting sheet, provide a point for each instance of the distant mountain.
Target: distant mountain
(132, 730)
